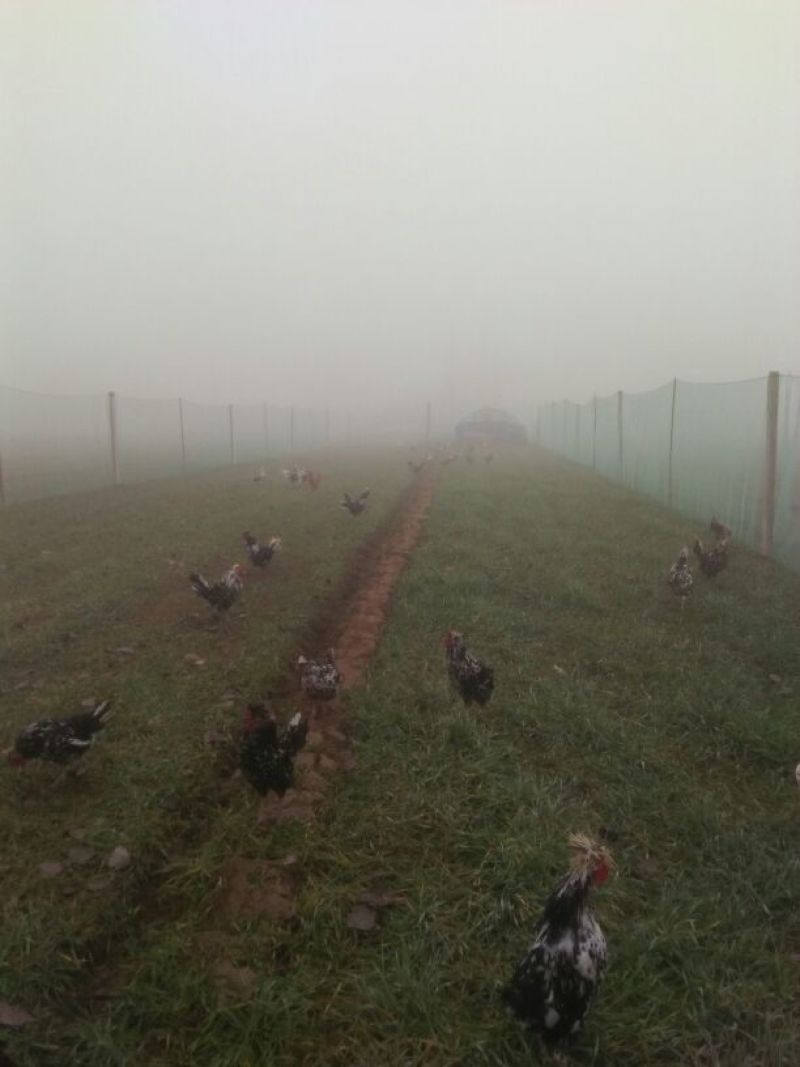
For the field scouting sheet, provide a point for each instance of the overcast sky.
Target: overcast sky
(369, 202)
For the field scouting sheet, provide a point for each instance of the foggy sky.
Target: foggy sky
(366, 202)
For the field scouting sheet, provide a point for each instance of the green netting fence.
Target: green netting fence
(730, 449)
(60, 444)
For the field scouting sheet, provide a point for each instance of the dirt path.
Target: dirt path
(353, 629)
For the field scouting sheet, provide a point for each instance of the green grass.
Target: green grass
(86, 575)
(678, 736)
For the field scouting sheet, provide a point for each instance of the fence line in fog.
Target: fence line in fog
(51, 444)
(730, 448)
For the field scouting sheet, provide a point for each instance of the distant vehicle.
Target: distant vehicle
(491, 426)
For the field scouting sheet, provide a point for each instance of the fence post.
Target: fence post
(771, 470)
(183, 438)
(230, 431)
(112, 434)
(671, 440)
(265, 421)
(577, 433)
(594, 435)
(619, 430)
(563, 449)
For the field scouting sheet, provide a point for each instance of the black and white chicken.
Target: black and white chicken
(59, 740)
(473, 679)
(556, 980)
(223, 594)
(259, 554)
(355, 505)
(680, 578)
(319, 678)
(266, 755)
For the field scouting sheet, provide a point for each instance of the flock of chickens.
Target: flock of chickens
(554, 983)
(713, 558)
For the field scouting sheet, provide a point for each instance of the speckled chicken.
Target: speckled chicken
(59, 740)
(556, 980)
(259, 554)
(355, 505)
(266, 755)
(680, 576)
(473, 679)
(319, 678)
(223, 594)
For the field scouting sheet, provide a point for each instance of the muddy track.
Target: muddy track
(351, 621)
(352, 626)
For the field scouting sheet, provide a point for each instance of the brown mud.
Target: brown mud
(351, 626)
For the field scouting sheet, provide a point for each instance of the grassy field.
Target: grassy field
(95, 603)
(676, 737)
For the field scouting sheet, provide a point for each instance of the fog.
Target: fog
(356, 203)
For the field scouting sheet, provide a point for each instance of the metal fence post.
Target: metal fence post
(183, 437)
(671, 440)
(619, 431)
(771, 468)
(231, 434)
(112, 435)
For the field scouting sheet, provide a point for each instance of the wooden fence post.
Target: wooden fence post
(231, 433)
(619, 431)
(771, 468)
(183, 437)
(594, 435)
(112, 435)
(577, 433)
(671, 440)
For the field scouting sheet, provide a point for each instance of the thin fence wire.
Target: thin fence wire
(59, 444)
(700, 448)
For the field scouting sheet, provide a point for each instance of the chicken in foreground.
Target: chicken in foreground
(680, 576)
(556, 980)
(266, 755)
(473, 679)
(59, 740)
(259, 554)
(319, 678)
(223, 594)
(357, 505)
